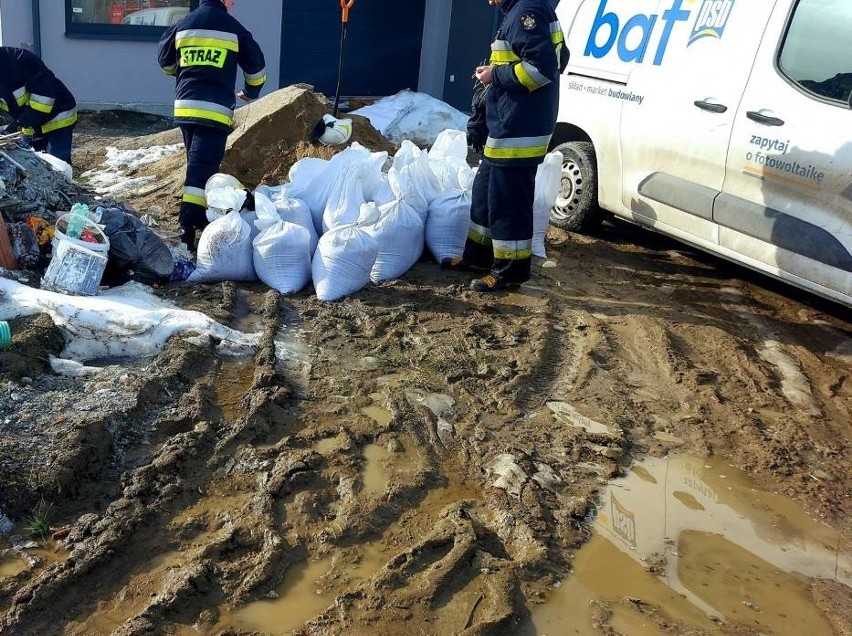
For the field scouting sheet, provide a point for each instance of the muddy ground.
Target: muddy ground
(425, 459)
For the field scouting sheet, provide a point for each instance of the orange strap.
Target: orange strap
(346, 5)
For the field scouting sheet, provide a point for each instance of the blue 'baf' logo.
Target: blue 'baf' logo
(712, 18)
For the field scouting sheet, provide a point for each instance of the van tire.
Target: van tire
(576, 208)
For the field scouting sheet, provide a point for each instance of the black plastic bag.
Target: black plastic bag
(477, 128)
(135, 251)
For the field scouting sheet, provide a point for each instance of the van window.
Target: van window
(816, 53)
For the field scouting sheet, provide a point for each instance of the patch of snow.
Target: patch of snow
(418, 117)
(111, 178)
(128, 321)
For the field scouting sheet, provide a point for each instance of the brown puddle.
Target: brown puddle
(11, 566)
(721, 549)
(232, 383)
(302, 596)
(330, 445)
(376, 475)
(381, 416)
(248, 312)
(308, 589)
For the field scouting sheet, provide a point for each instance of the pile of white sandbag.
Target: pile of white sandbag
(344, 222)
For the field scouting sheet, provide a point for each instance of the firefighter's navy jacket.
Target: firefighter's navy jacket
(528, 56)
(32, 95)
(203, 51)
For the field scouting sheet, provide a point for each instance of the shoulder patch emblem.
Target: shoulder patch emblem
(528, 22)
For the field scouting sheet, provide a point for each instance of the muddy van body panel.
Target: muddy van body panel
(713, 122)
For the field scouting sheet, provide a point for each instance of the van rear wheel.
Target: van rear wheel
(576, 208)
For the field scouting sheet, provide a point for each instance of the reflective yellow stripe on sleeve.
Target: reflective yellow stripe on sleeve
(256, 79)
(21, 96)
(62, 120)
(529, 76)
(41, 103)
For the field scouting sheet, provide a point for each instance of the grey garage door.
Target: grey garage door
(382, 49)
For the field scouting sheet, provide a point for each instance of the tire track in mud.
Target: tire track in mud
(483, 491)
(137, 520)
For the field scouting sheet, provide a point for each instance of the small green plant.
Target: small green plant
(38, 526)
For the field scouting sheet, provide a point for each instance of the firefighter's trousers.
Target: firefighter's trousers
(205, 149)
(56, 143)
(501, 221)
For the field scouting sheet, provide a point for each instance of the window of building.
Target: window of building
(123, 19)
(816, 54)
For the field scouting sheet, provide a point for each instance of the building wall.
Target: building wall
(123, 73)
(16, 23)
(436, 34)
(105, 73)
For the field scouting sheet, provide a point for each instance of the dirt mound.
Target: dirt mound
(270, 134)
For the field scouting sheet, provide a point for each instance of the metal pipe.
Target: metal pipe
(36, 4)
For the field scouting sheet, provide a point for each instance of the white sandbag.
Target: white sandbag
(225, 251)
(424, 180)
(297, 211)
(328, 182)
(415, 183)
(344, 206)
(282, 256)
(412, 164)
(406, 155)
(304, 171)
(404, 189)
(450, 143)
(343, 261)
(548, 180)
(223, 199)
(370, 173)
(270, 192)
(448, 222)
(399, 233)
(384, 193)
(452, 172)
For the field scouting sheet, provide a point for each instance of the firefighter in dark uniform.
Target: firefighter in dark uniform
(38, 103)
(521, 102)
(203, 51)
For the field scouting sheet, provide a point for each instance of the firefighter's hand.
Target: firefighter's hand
(242, 95)
(484, 75)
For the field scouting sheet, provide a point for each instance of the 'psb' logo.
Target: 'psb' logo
(623, 522)
(712, 19)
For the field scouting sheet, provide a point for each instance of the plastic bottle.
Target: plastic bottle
(78, 220)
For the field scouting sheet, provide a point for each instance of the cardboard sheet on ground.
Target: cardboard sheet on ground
(124, 322)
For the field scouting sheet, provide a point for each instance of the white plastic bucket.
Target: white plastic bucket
(100, 246)
(74, 270)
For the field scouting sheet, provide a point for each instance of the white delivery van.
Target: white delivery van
(723, 123)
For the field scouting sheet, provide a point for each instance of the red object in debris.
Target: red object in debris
(87, 236)
(7, 254)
